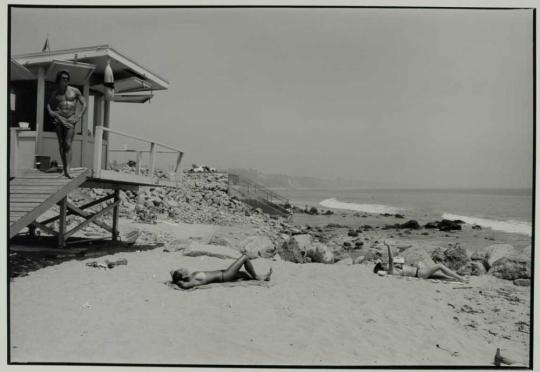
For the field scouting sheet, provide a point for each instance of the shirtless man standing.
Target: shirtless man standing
(63, 109)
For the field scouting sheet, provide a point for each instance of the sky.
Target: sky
(401, 97)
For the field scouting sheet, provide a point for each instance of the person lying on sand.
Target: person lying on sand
(185, 280)
(415, 272)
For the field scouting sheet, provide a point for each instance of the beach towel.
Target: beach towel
(238, 283)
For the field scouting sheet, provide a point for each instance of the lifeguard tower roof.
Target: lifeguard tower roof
(129, 75)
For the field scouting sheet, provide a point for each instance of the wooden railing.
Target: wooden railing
(98, 152)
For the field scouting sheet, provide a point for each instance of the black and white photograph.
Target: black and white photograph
(270, 186)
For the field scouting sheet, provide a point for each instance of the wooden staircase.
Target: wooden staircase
(257, 196)
(33, 192)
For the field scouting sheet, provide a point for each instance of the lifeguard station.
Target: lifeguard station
(34, 144)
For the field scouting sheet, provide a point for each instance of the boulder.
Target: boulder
(415, 256)
(258, 246)
(455, 257)
(411, 224)
(319, 252)
(198, 249)
(474, 268)
(497, 251)
(294, 249)
(448, 225)
(178, 245)
(511, 268)
(220, 240)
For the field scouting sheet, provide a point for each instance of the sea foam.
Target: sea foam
(368, 208)
(510, 226)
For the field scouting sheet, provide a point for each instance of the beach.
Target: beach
(339, 314)
(309, 314)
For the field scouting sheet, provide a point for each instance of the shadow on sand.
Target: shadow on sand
(30, 254)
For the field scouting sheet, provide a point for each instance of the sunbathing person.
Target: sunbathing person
(415, 272)
(185, 280)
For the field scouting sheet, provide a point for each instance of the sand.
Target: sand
(313, 314)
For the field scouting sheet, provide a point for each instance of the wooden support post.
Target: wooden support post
(139, 159)
(62, 227)
(153, 149)
(40, 110)
(14, 151)
(90, 219)
(84, 126)
(178, 168)
(116, 213)
(98, 148)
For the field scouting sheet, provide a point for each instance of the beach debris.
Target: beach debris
(87, 305)
(107, 264)
(452, 353)
(98, 265)
(499, 359)
(522, 282)
(523, 327)
(452, 306)
(468, 309)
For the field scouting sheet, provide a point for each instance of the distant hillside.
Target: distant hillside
(293, 182)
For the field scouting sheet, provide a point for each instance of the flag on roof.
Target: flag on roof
(46, 47)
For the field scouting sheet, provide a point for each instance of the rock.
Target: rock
(198, 249)
(497, 251)
(319, 252)
(411, 224)
(294, 249)
(345, 261)
(352, 233)
(473, 268)
(455, 257)
(397, 215)
(313, 211)
(511, 267)
(477, 227)
(448, 225)
(415, 256)
(431, 225)
(220, 240)
(178, 245)
(258, 246)
(523, 282)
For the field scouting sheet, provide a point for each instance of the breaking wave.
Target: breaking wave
(368, 208)
(510, 226)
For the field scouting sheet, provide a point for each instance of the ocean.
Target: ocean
(508, 210)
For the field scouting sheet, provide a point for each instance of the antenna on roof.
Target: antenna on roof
(46, 46)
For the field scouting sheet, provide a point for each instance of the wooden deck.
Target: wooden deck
(33, 192)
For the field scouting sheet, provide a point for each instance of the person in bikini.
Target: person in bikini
(415, 272)
(62, 107)
(185, 280)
